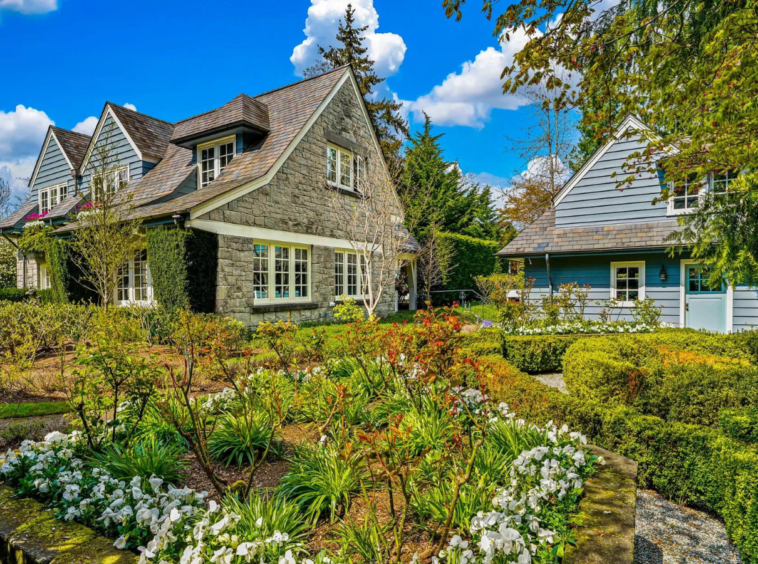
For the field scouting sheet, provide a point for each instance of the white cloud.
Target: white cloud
(87, 126)
(29, 6)
(469, 96)
(22, 132)
(496, 182)
(17, 175)
(539, 167)
(387, 50)
(131, 107)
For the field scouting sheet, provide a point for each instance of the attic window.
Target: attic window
(50, 196)
(113, 181)
(213, 158)
(343, 168)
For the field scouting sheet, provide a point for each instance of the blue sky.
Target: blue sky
(62, 59)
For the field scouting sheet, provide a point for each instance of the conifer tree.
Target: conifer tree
(391, 128)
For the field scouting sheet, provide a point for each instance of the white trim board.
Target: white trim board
(682, 291)
(107, 111)
(271, 235)
(41, 157)
(630, 122)
(239, 191)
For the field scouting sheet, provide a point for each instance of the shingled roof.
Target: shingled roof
(289, 108)
(73, 144)
(151, 135)
(18, 216)
(543, 236)
(243, 111)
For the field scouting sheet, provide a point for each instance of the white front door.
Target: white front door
(705, 305)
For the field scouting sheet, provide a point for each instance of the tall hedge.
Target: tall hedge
(471, 257)
(183, 265)
(65, 276)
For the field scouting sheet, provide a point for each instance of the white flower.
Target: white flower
(120, 543)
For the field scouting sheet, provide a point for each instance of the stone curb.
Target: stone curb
(607, 514)
(30, 534)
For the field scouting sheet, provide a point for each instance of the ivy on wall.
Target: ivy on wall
(183, 266)
(471, 257)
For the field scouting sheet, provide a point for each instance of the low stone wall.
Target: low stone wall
(607, 514)
(30, 534)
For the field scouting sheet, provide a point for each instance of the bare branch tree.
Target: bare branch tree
(434, 261)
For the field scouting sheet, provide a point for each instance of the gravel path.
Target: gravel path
(668, 533)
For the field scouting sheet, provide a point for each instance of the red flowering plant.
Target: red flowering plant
(36, 216)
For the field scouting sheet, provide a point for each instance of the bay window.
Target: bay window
(343, 168)
(134, 283)
(281, 272)
(628, 282)
(214, 158)
(349, 279)
(51, 196)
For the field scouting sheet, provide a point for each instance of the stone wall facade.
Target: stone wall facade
(32, 271)
(298, 200)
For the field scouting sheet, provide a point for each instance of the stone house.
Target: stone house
(281, 179)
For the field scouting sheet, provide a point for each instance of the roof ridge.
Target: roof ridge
(262, 93)
(71, 131)
(108, 103)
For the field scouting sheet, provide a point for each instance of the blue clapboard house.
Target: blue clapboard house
(615, 240)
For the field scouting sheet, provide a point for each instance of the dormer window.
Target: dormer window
(213, 158)
(51, 196)
(685, 195)
(344, 169)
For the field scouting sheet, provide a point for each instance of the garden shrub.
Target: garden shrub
(483, 342)
(685, 386)
(473, 257)
(13, 294)
(740, 424)
(183, 265)
(691, 464)
(540, 353)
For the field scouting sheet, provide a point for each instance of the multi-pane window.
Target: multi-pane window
(108, 183)
(134, 284)
(698, 281)
(628, 281)
(343, 168)
(721, 181)
(51, 196)
(349, 269)
(214, 158)
(686, 195)
(260, 271)
(280, 272)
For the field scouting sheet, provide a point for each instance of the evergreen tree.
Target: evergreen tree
(434, 192)
(391, 128)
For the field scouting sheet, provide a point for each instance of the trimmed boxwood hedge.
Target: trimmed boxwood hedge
(536, 354)
(691, 464)
(13, 294)
(183, 266)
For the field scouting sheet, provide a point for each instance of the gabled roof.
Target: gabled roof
(291, 108)
(630, 122)
(148, 136)
(543, 237)
(72, 146)
(243, 111)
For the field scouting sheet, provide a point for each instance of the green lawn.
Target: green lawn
(33, 409)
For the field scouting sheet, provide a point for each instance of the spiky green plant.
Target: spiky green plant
(241, 439)
(147, 458)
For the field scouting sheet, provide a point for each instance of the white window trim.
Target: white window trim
(115, 173)
(706, 187)
(44, 277)
(215, 144)
(641, 289)
(357, 167)
(131, 289)
(683, 264)
(271, 299)
(49, 191)
(361, 281)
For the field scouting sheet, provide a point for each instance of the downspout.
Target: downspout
(23, 274)
(549, 277)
